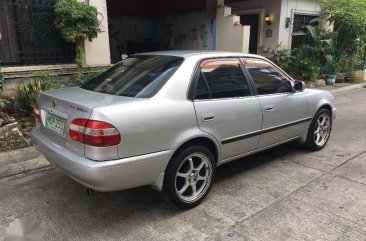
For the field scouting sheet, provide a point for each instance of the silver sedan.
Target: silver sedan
(168, 119)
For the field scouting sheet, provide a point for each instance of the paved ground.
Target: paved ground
(286, 193)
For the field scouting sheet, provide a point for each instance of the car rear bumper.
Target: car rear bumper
(104, 175)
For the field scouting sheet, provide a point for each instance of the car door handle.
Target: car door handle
(269, 108)
(208, 117)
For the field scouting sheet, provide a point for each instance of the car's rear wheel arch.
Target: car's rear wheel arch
(202, 147)
(200, 141)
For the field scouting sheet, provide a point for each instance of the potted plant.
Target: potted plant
(330, 69)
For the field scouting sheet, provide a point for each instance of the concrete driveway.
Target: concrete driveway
(286, 193)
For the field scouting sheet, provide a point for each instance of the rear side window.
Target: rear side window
(221, 79)
(137, 76)
(267, 78)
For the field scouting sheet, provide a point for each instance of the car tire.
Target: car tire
(189, 176)
(319, 130)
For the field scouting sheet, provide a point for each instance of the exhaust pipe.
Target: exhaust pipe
(90, 192)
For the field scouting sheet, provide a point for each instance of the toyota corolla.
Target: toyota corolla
(168, 119)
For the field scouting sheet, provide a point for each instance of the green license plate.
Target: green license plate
(56, 124)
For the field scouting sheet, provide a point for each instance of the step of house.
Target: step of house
(21, 161)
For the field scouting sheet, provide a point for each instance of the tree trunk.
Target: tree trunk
(79, 58)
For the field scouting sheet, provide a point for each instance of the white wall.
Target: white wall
(279, 10)
(230, 36)
(97, 52)
(263, 7)
(182, 24)
(291, 7)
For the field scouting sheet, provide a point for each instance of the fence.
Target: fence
(28, 35)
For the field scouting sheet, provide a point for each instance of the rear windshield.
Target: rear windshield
(137, 76)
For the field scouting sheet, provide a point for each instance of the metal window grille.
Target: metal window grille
(299, 22)
(29, 36)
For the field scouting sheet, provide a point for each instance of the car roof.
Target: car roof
(199, 53)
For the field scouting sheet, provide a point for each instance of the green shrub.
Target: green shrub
(29, 91)
(349, 69)
(50, 80)
(333, 63)
(89, 76)
(2, 78)
(28, 94)
(309, 69)
(4, 103)
(283, 58)
(348, 18)
(77, 22)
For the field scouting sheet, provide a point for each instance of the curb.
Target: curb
(349, 88)
(21, 161)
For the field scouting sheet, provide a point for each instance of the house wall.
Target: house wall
(182, 26)
(262, 7)
(231, 36)
(278, 10)
(97, 51)
(124, 28)
(289, 9)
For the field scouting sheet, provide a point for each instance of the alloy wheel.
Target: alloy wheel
(322, 129)
(193, 177)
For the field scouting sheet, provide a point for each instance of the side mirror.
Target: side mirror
(299, 86)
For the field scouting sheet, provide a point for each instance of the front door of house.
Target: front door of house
(253, 21)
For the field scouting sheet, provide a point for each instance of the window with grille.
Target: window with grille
(299, 22)
(29, 36)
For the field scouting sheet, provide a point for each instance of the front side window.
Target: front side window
(139, 76)
(267, 78)
(221, 79)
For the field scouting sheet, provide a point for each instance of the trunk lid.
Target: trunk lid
(64, 105)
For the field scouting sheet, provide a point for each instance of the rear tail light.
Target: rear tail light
(94, 133)
(37, 115)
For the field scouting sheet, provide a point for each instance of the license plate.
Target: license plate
(56, 124)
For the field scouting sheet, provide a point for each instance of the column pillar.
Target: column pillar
(97, 52)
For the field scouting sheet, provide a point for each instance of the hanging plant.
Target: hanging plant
(77, 22)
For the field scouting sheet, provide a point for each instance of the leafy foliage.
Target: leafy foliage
(77, 22)
(29, 91)
(348, 15)
(321, 43)
(309, 69)
(349, 19)
(333, 63)
(309, 59)
(4, 102)
(89, 76)
(283, 58)
(49, 79)
(2, 78)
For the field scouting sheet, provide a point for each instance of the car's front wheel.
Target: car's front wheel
(189, 176)
(319, 130)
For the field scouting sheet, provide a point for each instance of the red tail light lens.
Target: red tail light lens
(94, 133)
(37, 115)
